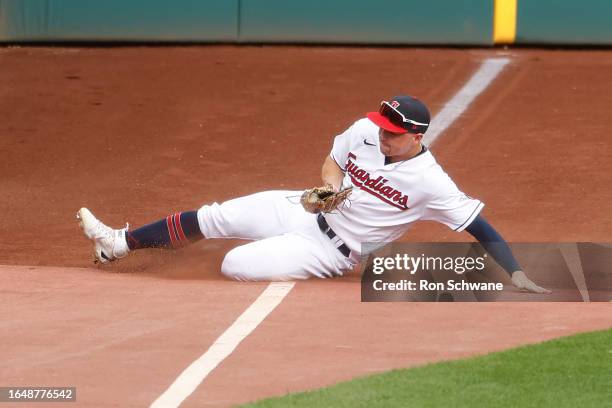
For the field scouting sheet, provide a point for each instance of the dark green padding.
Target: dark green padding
(585, 22)
(315, 21)
(118, 20)
(367, 21)
(452, 22)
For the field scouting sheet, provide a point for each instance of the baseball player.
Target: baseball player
(393, 181)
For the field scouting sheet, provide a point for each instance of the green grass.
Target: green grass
(572, 372)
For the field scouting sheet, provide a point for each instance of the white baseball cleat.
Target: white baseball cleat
(109, 244)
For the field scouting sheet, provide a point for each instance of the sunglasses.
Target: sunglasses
(397, 118)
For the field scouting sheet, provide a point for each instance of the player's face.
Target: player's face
(397, 145)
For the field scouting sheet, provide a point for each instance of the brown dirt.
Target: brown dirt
(136, 133)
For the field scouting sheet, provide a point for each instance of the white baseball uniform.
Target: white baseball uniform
(385, 200)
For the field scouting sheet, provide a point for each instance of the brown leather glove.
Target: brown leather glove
(323, 199)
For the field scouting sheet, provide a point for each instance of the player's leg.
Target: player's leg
(256, 216)
(290, 256)
(173, 231)
(252, 217)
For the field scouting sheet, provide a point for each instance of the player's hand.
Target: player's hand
(521, 281)
(332, 187)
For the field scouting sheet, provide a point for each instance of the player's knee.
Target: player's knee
(219, 221)
(234, 265)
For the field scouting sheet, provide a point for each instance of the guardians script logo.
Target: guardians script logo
(376, 186)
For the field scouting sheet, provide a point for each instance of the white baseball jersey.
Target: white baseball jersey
(386, 199)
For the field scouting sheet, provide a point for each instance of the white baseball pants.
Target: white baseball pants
(288, 243)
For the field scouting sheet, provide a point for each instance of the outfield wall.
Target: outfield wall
(119, 20)
(410, 22)
(564, 22)
(367, 21)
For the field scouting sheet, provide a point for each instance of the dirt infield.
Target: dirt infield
(136, 133)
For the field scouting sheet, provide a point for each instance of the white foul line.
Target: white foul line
(572, 259)
(192, 376)
(487, 72)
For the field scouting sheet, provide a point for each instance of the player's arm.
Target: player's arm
(495, 244)
(331, 173)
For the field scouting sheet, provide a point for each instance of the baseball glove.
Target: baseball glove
(323, 199)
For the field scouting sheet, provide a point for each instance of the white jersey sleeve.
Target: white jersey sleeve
(450, 206)
(342, 145)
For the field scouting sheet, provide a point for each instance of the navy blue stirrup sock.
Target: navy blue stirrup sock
(174, 231)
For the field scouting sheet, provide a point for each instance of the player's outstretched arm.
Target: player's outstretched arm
(495, 244)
